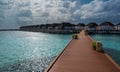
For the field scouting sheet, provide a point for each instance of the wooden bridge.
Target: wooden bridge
(78, 56)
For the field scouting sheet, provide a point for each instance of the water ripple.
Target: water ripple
(36, 65)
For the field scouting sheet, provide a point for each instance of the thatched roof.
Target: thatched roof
(66, 24)
(106, 24)
(92, 24)
(81, 24)
(56, 24)
(118, 24)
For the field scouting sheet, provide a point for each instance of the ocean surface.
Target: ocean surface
(33, 51)
(29, 51)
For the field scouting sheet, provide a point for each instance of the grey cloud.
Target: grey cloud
(62, 11)
(66, 5)
(36, 3)
(12, 12)
(24, 17)
(99, 11)
(49, 6)
(46, 14)
(4, 2)
(2, 17)
(22, 20)
(25, 12)
(24, 4)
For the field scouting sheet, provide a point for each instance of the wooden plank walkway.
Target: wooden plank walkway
(78, 56)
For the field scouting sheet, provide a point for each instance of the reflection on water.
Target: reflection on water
(36, 65)
(29, 51)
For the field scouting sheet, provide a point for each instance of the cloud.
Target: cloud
(15, 13)
(1, 17)
(54, 11)
(25, 13)
(90, 10)
(4, 2)
(24, 17)
(99, 10)
(74, 11)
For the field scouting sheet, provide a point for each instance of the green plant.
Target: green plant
(74, 36)
(94, 45)
(86, 33)
(99, 46)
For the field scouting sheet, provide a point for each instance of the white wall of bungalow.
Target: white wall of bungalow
(79, 27)
(57, 28)
(117, 27)
(106, 26)
(50, 28)
(43, 27)
(86, 28)
(37, 27)
(90, 28)
(69, 27)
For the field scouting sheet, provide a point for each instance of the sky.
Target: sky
(16, 13)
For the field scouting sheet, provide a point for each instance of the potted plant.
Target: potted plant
(94, 45)
(86, 33)
(74, 36)
(99, 46)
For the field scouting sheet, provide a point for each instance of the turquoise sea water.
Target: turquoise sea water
(111, 45)
(32, 51)
(29, 51)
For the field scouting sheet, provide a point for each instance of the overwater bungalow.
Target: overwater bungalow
(35, 28)
(42, 28)
(39, 27)
(117, 26)
(67, 27)
(25, 28)
(91, 27)
(106, 27)
(46, 27)
(53, 28)
(57, 27)
(50, 27)
(80, 26)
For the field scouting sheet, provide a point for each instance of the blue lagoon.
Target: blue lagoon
(33, 51)
(29, 51)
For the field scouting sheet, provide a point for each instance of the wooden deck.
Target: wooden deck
(78, 56)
